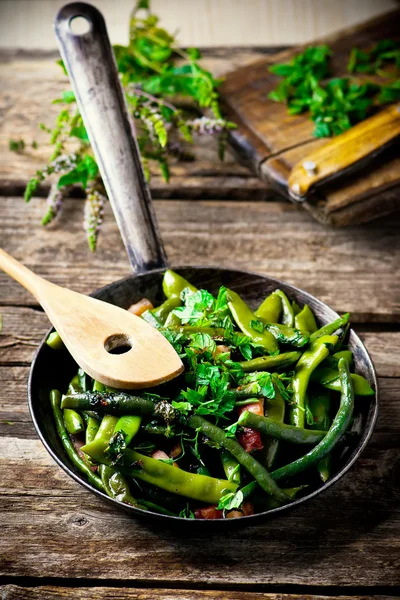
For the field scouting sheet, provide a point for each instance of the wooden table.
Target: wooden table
(58, 540)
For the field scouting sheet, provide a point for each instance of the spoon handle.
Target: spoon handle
(31, 282)
(91, 66)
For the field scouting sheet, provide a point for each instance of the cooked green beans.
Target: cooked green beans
(280, 431)
(259, 473)
(309, 361)
(260, 388)
(117, 403)
(268, 363)
(55, 400)
(336, 431)
(244, 318)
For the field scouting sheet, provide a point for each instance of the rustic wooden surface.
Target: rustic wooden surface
(344, 543)
(273, 142)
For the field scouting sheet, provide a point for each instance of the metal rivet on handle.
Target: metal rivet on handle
(310, 167)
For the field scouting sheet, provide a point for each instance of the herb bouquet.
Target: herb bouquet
(152, 79)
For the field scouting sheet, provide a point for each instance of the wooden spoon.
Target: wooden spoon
(90, 329)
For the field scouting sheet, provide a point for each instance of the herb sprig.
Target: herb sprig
(153, 81)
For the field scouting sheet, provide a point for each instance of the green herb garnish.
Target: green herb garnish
(154, 72)
(337, 104)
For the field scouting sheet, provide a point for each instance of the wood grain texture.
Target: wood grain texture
(45, 515)
(24, 328)
(21, 112)
(15, 592)
(50, 526)
(358, 144)
(354, 269)
(15, 421)
(274, 143)
(355, 539)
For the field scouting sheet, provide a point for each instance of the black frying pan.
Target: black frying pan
(93, 73)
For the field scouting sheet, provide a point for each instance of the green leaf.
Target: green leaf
(62, 65)
(183, 407)
(80, 132)
(186, 513)
(231, 501)
(67, 97)
(85, 171)
(390, 93)
(16, 145)
(257, 325)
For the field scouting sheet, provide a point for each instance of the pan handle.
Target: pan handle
(92, 70)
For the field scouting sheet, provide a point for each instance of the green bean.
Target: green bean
(320, 408)
(253, 486)
(271, 503)
(98, 386)
(270, 310)
(157, 508)
(172, 321)
(54, 341)
(244, 317)
(154, 429)
(330, 379)
(231, 467)
(259, 473)
(162, 311)
(73, 421)
(128, 426)
(269, 363)
(92, 427)
(169, 478)
(332, 361)
(295, 308)
(84, 380)
(117, 487)
(274, 408)
(287, 310)
(98, 447)
(118, 403)
(74, 386)
(305, 320)
(336, 431)
(157, 496)
(330, 328)
(309, 361)
(174, 284)
(55, 400)
(280, 431)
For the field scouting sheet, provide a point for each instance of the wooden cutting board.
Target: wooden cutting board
(271, 142)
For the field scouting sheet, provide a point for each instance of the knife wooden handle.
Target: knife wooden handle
(347, 151)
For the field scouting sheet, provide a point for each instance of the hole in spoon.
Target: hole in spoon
(119, 343)
(79, 25)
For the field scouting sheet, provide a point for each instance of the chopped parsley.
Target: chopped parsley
(341, 102)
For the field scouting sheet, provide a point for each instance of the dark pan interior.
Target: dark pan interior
(52, 369)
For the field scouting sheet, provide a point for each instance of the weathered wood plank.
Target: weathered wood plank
(15, 420)
(15, 592)
(354, 540)
(29, 83)
(354, 269)
(272, 142)
(24, 327)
